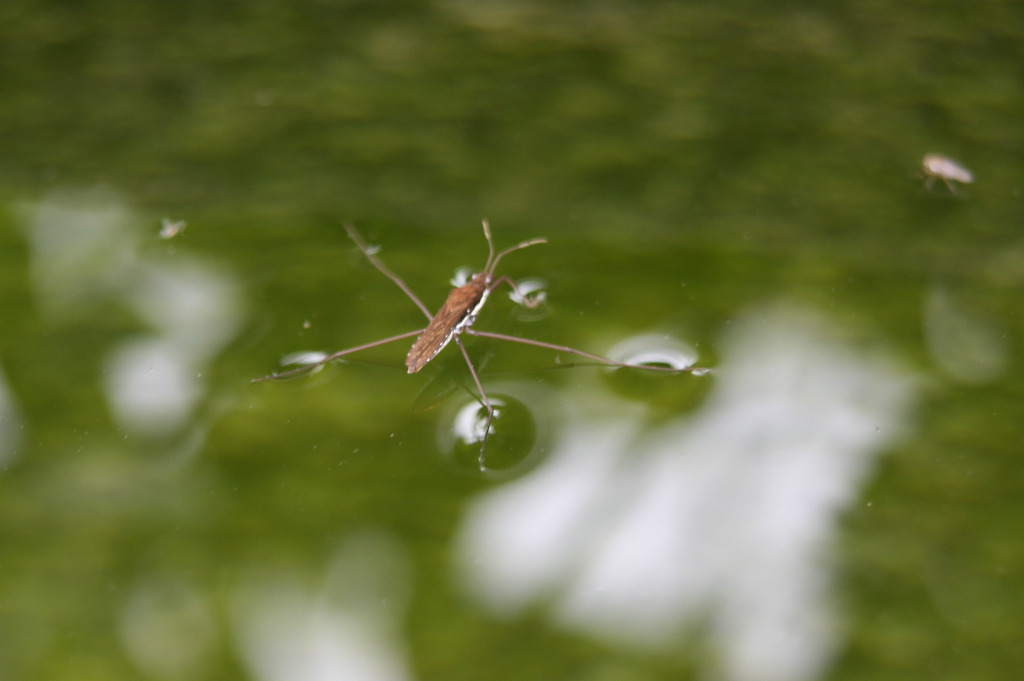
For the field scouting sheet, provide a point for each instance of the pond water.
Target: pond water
(737, 187)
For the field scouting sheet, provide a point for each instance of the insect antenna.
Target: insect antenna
(492, 260)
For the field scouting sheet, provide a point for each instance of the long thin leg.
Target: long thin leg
(483, 398)
(336, 355)
(581, 353)
(382, 268)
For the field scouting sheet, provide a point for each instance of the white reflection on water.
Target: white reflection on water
(88, 252)
(151, 384)
(965, 343)
(656, 349)
(168, 629)
(153, 380)
(722, 519)
(349, 627)
(83, 250)
(10, 428)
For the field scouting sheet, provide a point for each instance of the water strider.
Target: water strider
(456, 316)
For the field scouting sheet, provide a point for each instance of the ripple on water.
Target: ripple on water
(657, 350)
(517, 437)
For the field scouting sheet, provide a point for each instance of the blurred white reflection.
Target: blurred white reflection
(965, 343)
(720, 521)
(347, 628)
(10, 426)
(87, 252)
(83, 250)
(168, 629)
(151, 384)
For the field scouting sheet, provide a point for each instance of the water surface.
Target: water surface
(838, 497)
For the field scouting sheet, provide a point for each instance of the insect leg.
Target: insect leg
(573, 351)
(382, 268)
(483, 398)
(336, 355)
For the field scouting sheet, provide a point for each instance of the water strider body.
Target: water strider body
(462, 306)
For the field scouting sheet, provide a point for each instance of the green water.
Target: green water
(739, 178)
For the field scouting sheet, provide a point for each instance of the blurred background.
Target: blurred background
(737, 184)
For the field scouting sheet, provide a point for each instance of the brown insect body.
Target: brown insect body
(462, 306)
(458, 312)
